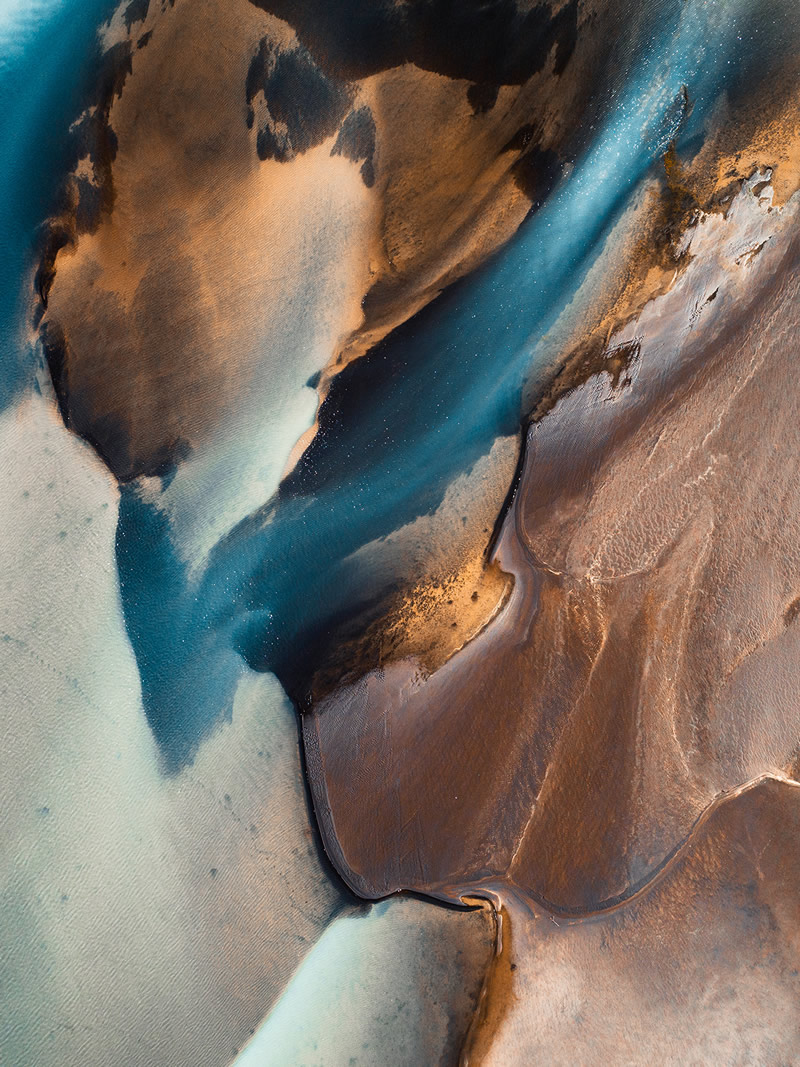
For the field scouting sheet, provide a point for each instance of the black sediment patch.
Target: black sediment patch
(538, 169)
(108, 434)
(356, 142)
(482, 97)
(82, 202)
(136, 11)
(491, 43)
(303, 105)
